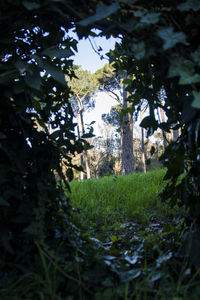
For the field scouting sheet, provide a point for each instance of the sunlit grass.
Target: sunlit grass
(117, 198)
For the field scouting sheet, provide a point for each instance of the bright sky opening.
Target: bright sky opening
(89, 60)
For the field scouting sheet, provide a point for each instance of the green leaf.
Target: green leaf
(6, 244)
(22, 66)
(114, 238)
(51, 69)
(55, 134)
(32, 229)
(103, 11)
(7, 76)
(164, 126)
(3, 202)
(152, 151)
(149, 122)
(139, 13)
(168, 228)
(70, 174)
(30, 5)
(58, 53)
(171, 38)
(93, 122)
(129, 275)
(196, 101)
(189, 5)
(33, 78)
(2, 136)
(151, 18)
(196, 56)
(107, 282)
(184, 70)
(55, 72)
(139, 50)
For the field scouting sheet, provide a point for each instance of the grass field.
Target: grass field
(120, 198)
(127, 246)
(137, 236)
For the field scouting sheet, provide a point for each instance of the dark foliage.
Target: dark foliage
(159, 50)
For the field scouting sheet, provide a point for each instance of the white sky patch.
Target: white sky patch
(103, 105)
(86, 57)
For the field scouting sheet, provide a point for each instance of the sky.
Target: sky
(87, 57)
(89, 60)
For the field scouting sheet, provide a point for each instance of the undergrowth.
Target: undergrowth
(128, 247)
(137, 235)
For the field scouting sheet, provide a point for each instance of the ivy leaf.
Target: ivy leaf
(70, 174)
(196, 101)
(7, 245)
(196, 56)
(55, 72)
(152, 151)
(22, 66)
(171, 38)
(185, 70)
(7, 76)
(103, 11)
(55, 135)
(139, 13)
(51, 69)
(30, 5)
(87, 135)
(150, 124)
(149, 121)
(164, 126)
(152, 18)
(139, 50)
(58, 53)
(188, 79)
(189, 5)
(129, 275)
(93, 122)
(3, 202)
(33, 78)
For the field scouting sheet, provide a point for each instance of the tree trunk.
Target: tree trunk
(85, 151)
(143, 152)
(163, 120)
(164, 139)
(79, 136)
(175, 134)
(127, 138)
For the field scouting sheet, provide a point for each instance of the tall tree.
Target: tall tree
(83, 88)
(112, 84)
(127, 135)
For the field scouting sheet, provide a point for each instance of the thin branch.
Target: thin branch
(96, 51)
(113, 95)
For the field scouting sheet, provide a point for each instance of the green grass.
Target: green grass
(134, 243)
(129, 222)
(118, 198)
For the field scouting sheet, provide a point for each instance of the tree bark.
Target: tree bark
(175, 134)
(143, 152)
(79, 136)
(85, 151)
(127, 138)
(162, 115)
